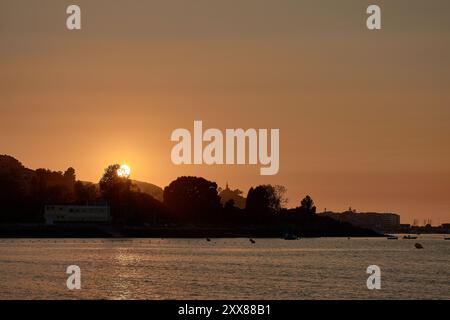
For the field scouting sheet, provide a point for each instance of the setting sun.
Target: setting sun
(124, 171)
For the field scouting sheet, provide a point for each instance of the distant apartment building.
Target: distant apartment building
(73, 214)
(370, 220)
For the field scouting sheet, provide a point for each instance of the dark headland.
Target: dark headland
(49, 204)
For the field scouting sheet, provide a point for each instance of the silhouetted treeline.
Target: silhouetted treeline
(189, 201)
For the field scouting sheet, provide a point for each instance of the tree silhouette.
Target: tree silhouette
(264, 199)
(52, 187)
(307, 205)
(112, 186)
(192, 197)
(70, 174)
(85, 192)
(280, 192)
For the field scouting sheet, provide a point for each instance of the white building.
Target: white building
(69, 214)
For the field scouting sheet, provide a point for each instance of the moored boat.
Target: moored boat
(290, 236)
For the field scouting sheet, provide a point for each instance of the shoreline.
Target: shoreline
(110, 231)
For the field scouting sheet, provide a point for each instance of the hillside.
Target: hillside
(149, 188)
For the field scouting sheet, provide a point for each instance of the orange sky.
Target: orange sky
(364, 116)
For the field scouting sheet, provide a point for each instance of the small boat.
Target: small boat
(418, 246)
(252, 241)
(392, 238)
(409, 237)
(290, 236)
(448, 238)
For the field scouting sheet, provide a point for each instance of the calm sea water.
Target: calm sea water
(325, 268)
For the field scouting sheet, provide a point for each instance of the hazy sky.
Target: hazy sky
(364, 116)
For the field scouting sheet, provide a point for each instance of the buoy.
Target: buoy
(252, 241)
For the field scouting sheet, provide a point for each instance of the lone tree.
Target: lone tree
(192, 197)
(112, 186)
(307, 205)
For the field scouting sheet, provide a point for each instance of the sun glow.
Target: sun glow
(124, 171)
